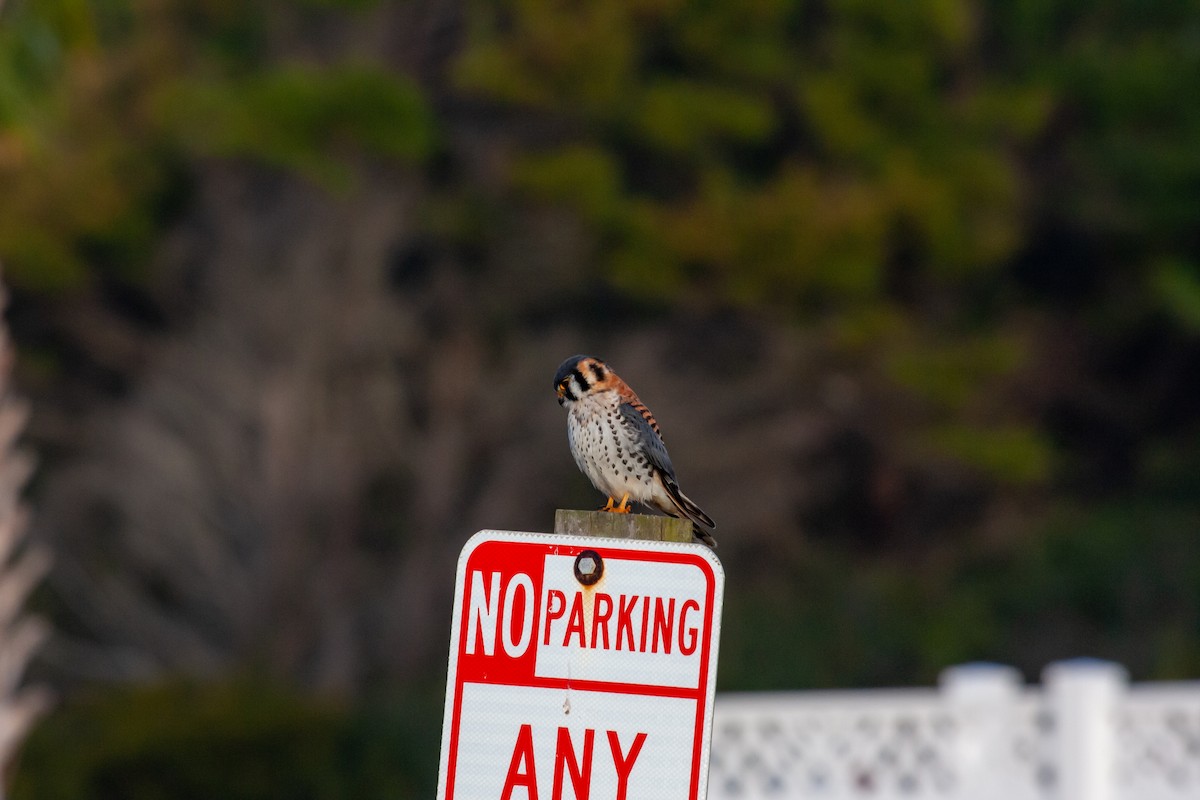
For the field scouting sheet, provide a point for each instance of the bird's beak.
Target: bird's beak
(560, 391)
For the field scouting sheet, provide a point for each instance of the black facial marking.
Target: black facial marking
(567, 367)
(598, 370)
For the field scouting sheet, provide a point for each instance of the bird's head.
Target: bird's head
(579, 376)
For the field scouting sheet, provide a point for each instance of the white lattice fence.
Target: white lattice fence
(1158, 742)
(860, 744)
(1086, 735)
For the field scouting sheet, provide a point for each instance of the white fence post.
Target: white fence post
(982, 698)
(1084, 694)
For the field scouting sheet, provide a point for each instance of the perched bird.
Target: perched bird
(617, 444)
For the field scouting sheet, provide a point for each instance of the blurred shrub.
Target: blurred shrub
(238, 740)
(1116, 579)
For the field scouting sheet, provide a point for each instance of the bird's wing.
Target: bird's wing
(645, 432)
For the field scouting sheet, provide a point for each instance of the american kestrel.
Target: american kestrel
(617, 444)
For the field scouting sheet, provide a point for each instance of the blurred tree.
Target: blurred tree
(845, 163)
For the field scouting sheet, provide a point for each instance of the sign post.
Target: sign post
(580, 669)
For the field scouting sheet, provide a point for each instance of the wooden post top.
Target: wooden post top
(622, 526)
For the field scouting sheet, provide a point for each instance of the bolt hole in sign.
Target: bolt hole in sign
(580, 669)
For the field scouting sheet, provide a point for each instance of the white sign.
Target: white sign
(580, 669)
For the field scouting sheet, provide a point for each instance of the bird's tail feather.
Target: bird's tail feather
(691, 511)
(703, 536)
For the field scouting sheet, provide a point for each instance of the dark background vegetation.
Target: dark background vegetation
(914, 289)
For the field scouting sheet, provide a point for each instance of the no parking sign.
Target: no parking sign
(580, 668)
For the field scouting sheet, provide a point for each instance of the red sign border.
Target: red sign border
(667, 552)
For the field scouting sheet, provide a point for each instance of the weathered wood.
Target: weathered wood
(622, 526)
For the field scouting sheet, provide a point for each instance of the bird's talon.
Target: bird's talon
(624, 507)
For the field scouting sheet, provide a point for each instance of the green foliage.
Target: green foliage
(1102, 572)
(1134, 164)
(304, 119)
(571, 57)
(748, 154)
(948, 373)
(183, 741)
(583, 177)
(874, 87)
(1178, 287)
(349, 5)
(40, 261)
(859, 163)
(103, 111)
(69, 180)
(1015, 453)
(879, 167)
(239, 740)
(689, 117)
